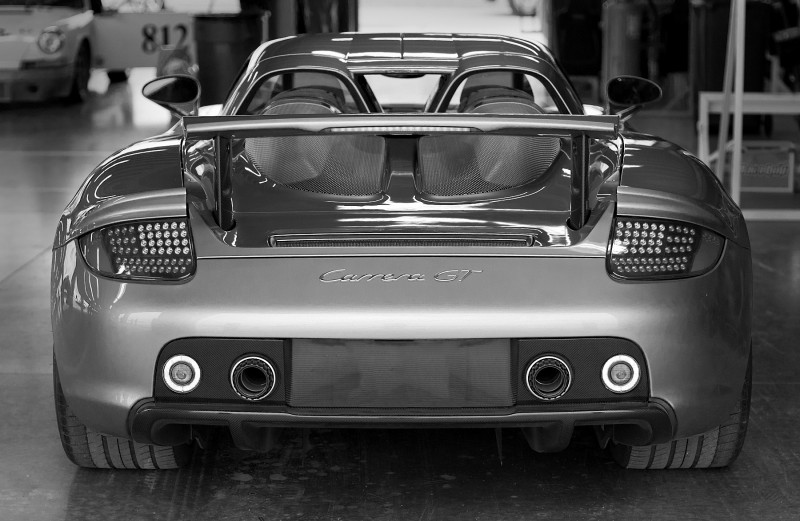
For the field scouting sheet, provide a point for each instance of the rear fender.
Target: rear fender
(119, 189)
(659, 179)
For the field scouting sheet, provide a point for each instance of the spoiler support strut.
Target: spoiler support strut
(222, 186)
(579, 191)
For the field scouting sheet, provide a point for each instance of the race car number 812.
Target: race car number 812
(152, 32)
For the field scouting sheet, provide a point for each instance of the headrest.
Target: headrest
(506, 106)
(498, 100)
(304, 100)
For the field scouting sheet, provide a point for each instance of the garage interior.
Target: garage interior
(48, 148)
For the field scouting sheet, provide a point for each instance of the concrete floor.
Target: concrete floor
(47, 150)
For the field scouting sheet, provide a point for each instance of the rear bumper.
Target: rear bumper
(36, 84)
(694, 333)
(170, 424)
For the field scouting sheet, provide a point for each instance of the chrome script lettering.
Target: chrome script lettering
(341, 275)
(454, 275)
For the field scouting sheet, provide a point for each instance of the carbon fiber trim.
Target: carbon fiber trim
(216, 357)
(585, 357)
(170, 424)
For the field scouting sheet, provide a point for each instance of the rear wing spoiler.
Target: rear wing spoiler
(580, 129)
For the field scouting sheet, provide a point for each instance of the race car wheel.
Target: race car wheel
(716, 448)
(90, 449)
(80, 76)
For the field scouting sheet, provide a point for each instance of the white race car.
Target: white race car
(48, 47)
(45, 49)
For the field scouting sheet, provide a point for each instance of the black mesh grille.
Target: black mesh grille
(467, 165)
(336, 165)
(414, 373)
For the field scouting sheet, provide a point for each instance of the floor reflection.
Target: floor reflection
(114, 114)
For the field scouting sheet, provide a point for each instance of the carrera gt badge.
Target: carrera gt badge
(341, 275)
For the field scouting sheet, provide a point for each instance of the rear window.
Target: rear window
(403, 92)
(449, 165)
(350, 165)
(457, 165)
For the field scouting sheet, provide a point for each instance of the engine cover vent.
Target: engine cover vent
(398, 240)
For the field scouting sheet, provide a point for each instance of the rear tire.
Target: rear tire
(90, 449)
(80, 76)
(716, 448)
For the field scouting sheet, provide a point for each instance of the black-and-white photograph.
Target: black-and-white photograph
(389, 260)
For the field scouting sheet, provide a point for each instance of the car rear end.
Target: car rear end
(362, 271)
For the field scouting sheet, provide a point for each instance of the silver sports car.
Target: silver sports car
(402, 230)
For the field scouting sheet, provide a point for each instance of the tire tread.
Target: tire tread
(90, 449)
(716, 448)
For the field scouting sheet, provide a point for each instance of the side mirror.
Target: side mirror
(178, 93)
(631, 93)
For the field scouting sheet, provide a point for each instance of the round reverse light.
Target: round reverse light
(181, 374)
(620, 374)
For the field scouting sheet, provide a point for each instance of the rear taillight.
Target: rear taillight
(660, 249)
(156, 250)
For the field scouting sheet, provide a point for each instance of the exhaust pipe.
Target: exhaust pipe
(548, 377)
(253, 378)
